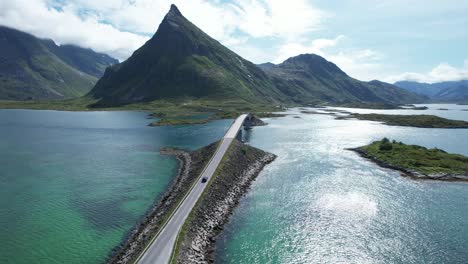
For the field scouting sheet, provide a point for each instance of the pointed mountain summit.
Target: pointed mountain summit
(181, 61)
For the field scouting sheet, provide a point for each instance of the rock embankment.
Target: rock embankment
(191, 165)
(255, 121)
(240, 167)
(411, 173)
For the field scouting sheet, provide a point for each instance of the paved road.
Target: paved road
(160, 249)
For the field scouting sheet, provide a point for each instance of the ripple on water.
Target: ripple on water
(319, 203)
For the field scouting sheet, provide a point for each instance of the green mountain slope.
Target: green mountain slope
(309, 78)
(85, 60)
(32, 68)
(181, 61)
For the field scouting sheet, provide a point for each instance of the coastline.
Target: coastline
(191, 163)
(198, 236)
(234, 177)
(411, 173)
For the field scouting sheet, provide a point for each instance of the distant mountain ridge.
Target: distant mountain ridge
(181, 61)
(33, 68)
(448, 92)
(309, 77)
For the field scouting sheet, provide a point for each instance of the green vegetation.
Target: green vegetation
(424, 121)
(381, 106)
(228, 174)
(180, 61)
(183, 231)
(32, 68)
(417, 158)
(174, 122)
(364, 105)
(311, 79)
(170, 109)
(187, 178)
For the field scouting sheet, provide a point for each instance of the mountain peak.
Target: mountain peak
(313, 63)
(174, 11)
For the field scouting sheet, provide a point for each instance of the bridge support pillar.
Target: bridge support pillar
(239, 135)
(248, 123)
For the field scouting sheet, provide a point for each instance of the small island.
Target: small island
(424, 121)
(381, 106)
(416, 161)
(166, 120)
(175, 122)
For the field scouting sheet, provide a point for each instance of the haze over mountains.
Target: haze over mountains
(33, 68)
(446, 92)
(179, 62)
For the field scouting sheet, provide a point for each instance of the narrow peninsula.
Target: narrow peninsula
(422, 121)
(239, 168)
(416, 161)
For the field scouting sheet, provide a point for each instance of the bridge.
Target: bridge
(160, 248)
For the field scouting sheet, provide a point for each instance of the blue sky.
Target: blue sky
(389, 40)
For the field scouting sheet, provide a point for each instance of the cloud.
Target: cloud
(259, 30)
(317, 46)
(66, 27)
(118, 27)
(364, 64)
(279, 18)
(441, 73)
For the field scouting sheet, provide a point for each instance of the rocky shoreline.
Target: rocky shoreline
(411, 173)
(191, 163)
(242, 165)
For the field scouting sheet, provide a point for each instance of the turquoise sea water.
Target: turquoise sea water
(319, 203)
(72, 184)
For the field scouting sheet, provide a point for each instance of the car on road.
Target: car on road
(204, 179)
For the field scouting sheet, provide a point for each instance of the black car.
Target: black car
(204, 179)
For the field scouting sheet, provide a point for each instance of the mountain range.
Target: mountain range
(310, 78)
(444, 92)
(181, 61)
(33, 68)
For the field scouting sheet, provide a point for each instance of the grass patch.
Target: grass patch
(417, 158)
(168, 109)
(174, 122)
(424, 121)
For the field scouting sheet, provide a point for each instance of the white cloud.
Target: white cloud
(364, 64)
(66, 27)
(279, 18)
(441, 73)
(317, 46)
(118, 27)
